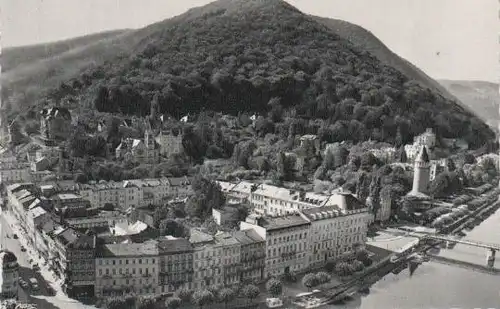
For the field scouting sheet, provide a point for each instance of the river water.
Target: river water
(440, 286)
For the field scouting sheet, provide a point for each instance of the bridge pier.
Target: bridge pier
(490, 257)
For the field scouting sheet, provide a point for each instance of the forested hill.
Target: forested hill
(266, 56)
(369, 42)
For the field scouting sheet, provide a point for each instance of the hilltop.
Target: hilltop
(253, 56)
(480, 96)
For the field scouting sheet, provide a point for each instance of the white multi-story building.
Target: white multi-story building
(124, 194)
(127, 268)
(104, 219)
(334, 231)
(286, 242)
(237, 193)
(272, 200)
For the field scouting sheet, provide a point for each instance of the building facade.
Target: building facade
(334, 232)
(127, 268)
(252, 255)
(208, 270)
(170, 142)
(176, 264)
(286, 243)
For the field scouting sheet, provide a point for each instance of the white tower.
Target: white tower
(421, 173)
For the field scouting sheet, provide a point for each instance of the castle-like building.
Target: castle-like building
(55, 124)
(422, 172)
(145, 150)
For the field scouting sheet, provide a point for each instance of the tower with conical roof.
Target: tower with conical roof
(422, 172)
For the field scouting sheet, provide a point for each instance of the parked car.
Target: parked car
(15, 236)
(34, 283)
(23, 283)
(35, 267)
(23, 249)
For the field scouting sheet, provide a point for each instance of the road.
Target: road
(49, 295)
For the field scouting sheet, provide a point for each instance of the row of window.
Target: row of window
(286, 239)
(120, 261)
(122, 271)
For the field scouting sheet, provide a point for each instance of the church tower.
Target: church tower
(421, 173)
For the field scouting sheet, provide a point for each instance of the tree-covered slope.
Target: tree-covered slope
(240, 55)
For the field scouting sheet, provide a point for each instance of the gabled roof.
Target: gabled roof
(248, 237)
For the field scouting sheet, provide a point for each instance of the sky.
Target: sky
(448, 39)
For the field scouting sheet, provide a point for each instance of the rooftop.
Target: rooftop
(284, 222)
(198, 237)
(149, 248)
(37, 212)
(320, 213)
(345, 201)
(423, 156)
(248, 237)
(285, 194)
(177, 245)
(68, 196)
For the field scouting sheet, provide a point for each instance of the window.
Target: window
(140, 261)
(126, 261)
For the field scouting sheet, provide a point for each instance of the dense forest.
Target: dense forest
(269, 58)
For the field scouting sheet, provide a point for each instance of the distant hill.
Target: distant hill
(480, 96)
(13, 57)
(257, 56)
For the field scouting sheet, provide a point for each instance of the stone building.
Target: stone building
(145, 150)
(421, 173)
(170, 142)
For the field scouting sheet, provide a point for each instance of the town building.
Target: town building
(9, 275)
(80, 252)
(230, 261)
(272, 200)
(55, 124)
(69, 201)
(170, 142)
(286, 242)
(437, 167)
(421, 173)
(224, 216)
(123, 194)
(252, 256)
(12, 172)
(127, 268)
(101, 220)
(207, 260)
(175, 264)
(145, 150)
(335, 230)
(427, 139)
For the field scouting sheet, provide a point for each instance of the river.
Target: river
(440, 286)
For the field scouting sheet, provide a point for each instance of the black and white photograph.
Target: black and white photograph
(249, 154)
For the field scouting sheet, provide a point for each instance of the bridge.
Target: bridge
(491, 249)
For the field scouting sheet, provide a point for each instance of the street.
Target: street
(48, 296)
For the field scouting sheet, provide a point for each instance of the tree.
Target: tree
(115, 303)
(226, 295)
(173, 303)
(208, 195)
(274, 287)
(323, 277)
(146, 302)
(310, 281)
(184, 294)
(357, 265)
(172, 227)
(343, 269)
(202, 297)
(251, 292)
